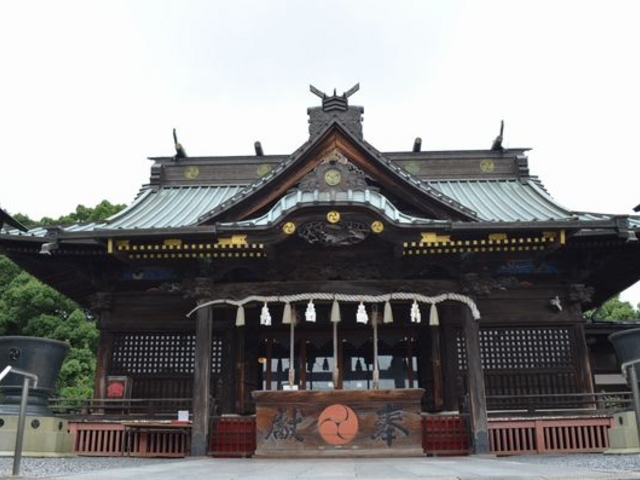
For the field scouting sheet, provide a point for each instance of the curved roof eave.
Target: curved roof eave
(297, 200)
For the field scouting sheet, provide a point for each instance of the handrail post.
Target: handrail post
(633, 378)
(17, 455)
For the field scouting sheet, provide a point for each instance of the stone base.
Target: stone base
(43, 437)
(623, 436)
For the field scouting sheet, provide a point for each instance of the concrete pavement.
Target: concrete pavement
(451, 468)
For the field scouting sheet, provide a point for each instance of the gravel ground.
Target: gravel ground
(594, 461)
(51, 467)
(48, 467)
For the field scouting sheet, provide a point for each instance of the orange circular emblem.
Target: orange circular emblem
(338, 424)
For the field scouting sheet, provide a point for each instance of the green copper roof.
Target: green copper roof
(182, 206)
(493, 200)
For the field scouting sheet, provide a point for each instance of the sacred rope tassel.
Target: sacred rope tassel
(387, 316)
(416, 316)
(361, 314)
(335, 312)
(286, 314)
(310, 313)
(265, 316)
(240, 316)
(376, 378)
(434, 320)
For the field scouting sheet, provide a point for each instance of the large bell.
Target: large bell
(40, 356)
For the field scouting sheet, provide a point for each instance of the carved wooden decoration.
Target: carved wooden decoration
(338, 423)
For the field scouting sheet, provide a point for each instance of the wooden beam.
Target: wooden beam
(201, 383)
(477, 395)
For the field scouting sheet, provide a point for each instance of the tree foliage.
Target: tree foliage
(29, 307)
(83, 214)
(615, 309)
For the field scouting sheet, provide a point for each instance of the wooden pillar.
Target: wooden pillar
(103, 305)
(450, 369)
(227, 386)
(201, 383)
(268, 375)
(436, 367)
(240, 362)
(583, 360)
(103, 364)
(477, 395)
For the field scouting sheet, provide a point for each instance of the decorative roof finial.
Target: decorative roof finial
(335, 107)
(497, 142)
(335, 102)
(352, 90)
(180, 152)
(317, 92)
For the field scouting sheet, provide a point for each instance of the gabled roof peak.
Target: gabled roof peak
(335, 107)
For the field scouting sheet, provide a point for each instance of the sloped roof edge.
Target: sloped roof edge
(335, 124)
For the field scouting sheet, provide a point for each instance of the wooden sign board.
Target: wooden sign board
(348, 423)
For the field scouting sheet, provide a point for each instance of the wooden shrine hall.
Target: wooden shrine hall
(338, 292)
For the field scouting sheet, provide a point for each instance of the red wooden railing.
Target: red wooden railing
(560, 435)
(111, 428)
(98, 439)
(235, 436)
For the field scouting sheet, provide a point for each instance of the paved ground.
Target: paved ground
(458, 468)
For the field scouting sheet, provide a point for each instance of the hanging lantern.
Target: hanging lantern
(310, 313)
(416, 317)
(265, 316)
(361, 314)
(287, 316)
(387, 316)
(434, 320)
(240, 316)
(335, 312)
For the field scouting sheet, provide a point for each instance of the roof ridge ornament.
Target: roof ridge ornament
(335, 102)
(335, 107)
(497, 146)
(180, 151)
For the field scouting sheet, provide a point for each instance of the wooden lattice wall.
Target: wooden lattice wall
(161, 364)
(525, 361)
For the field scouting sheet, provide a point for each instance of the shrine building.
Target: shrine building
(340, 287)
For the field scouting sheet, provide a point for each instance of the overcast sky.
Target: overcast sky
(90, 89)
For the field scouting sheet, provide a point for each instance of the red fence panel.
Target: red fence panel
(445, 435)
(233, 436)
(549, 435)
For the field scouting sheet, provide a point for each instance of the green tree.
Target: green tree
(25, 299)
(25, 220)
(83, 214)
(615, 309)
